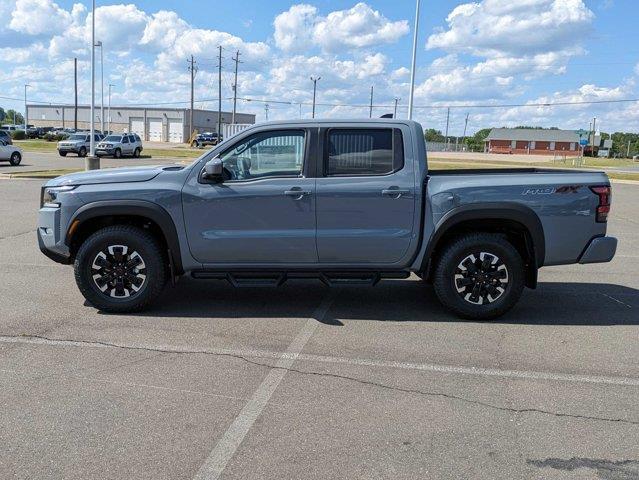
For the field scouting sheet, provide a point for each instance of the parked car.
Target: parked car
(119, 145)
(78, 143)
(206, 138)
(5, 136)
(9, 152)
(335, 200)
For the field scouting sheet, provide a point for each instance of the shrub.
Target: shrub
(18, 135)
(55, 136)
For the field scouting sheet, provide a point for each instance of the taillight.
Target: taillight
(603, 209)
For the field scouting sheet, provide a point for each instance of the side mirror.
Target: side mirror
(213, 169)
(3, 143)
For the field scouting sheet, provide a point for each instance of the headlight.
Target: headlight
(50, 195)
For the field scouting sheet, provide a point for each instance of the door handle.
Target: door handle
(395, 192)
(298, 193)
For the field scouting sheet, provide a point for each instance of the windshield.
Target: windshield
(113, 138)
(77, 137)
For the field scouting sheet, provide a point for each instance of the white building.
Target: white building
(152, 124)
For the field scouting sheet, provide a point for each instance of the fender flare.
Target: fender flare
(494, 211)
(135, 208)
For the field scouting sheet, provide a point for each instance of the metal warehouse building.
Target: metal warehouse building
(152, 124)
(532, 141)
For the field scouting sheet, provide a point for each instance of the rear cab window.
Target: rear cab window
(363, 151)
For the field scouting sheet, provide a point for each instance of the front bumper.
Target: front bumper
(599, 250)
(50, 238)
(104, 151)
(68, 149)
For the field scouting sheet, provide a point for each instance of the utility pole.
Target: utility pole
(192, 69)
(266, 107)
(447, 122)
(26, 113)
(465, 127)
(314, 80)
(594, 133)
(370, 110)
(395, 110)
(109, 114)
(412, 69)
(92, 162)
(628, 151)
(237, 61)
(75, 80)
(219, 94)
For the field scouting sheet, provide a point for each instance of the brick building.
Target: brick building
(533, 141)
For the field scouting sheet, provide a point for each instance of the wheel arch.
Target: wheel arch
(519, 222)
(92, 216)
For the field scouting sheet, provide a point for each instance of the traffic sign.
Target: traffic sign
(583, 141)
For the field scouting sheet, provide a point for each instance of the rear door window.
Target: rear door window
(363, 151)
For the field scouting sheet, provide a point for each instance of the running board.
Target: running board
(277, 279)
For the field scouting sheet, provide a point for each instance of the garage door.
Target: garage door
(155, 129)
(176, 131)
(136, 125)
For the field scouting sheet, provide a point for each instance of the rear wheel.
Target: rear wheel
(117, 153)
(136, 153)
(195, 144)
(479, 276)
(120, 269)
(15, 159)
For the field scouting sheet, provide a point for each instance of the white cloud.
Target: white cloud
(514, 28)
(38, 17)
(360, 26)
(163, 29)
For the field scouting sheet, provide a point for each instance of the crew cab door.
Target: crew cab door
(366, 197)
(264, 210)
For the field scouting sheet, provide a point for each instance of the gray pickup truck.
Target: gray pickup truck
(341, 201)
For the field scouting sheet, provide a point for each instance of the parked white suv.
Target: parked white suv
(78, 143)
(120, 144)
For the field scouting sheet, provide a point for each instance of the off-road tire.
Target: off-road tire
(136, 240)
(448, 278)
(117, 153)
(15, 159)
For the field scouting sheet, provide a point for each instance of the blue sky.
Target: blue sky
(487, 52)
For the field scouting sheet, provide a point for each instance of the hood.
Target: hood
(109, 175)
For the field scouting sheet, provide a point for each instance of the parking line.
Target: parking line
(349, 361)
(219, 457)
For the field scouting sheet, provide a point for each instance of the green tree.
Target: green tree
(432, 135)
(14, 117)
(476, 142)
(2, 114)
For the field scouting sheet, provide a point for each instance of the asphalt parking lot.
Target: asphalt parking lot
(315, 383)
(38, 161)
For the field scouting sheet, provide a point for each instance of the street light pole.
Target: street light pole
(314, 80)
(109, 111)
(412, 70)
(99, 44)
(92, 162)
(25, 110)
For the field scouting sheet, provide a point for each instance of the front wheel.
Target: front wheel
(479, 276)
(63, 154)
(120, 269)
(15, 159)
(82, 152)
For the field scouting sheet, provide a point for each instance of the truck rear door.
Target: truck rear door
(365, 196)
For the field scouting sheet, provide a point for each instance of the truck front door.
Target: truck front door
(264, 210)
(366, 197)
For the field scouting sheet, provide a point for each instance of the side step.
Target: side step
(277, 279)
